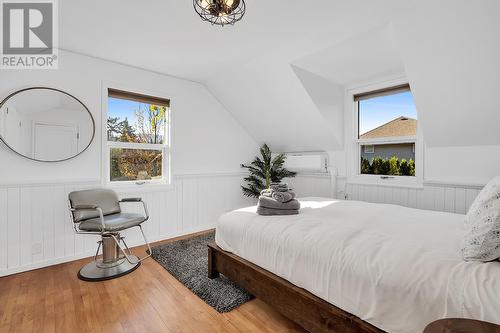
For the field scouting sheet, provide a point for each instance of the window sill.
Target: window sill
(131, 187)
(397, 181)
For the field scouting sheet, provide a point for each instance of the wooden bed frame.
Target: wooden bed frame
(297, 304)
(307, 310)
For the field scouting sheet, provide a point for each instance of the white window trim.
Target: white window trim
(388, 140)
(353, 146)
(166, 181)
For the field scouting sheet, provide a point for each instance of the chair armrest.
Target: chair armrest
(85, 207)
(92, 207)
(146, 213)
(131, 200)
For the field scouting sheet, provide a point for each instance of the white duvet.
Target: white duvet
(395, 267)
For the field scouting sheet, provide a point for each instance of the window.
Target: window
(138, 144)
(387, 132)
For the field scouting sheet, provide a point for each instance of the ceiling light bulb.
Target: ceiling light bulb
(220, 12)
(202, 3)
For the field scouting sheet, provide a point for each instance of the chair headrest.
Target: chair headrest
(105, 199)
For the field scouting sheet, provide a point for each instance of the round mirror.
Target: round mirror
(45, 124)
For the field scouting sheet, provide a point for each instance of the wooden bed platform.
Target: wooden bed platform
(309, 311)
(299, 305)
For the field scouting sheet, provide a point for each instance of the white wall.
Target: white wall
(462, 165)
(439, 197)
(448, 50)
(206, 139)
(448, 165)
(36, 230)
(208, 146)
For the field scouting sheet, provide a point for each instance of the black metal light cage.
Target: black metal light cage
(218, 13)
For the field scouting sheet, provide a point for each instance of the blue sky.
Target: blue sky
(377, 111)
(122, 108)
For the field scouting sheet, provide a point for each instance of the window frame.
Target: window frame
(166, 147)
(369, 151)
(354, 145)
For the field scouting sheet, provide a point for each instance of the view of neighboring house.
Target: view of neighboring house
(399, 127)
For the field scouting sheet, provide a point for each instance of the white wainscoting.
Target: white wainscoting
(453, 198)
(35, 228)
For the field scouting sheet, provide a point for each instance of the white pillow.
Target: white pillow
(482, 238)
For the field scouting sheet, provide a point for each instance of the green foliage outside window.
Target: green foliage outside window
(135, 164)
(388, 166)
(149, 127)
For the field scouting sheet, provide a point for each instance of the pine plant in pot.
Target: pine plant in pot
(264, 171)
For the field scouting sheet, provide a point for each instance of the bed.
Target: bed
(380, 267)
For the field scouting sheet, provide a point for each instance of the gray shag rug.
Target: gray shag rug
(187, 261)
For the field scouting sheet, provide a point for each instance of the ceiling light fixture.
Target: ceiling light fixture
(220, 12)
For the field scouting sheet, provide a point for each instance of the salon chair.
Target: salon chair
(99, 212)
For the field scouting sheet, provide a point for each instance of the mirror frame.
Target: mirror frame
(60, 91)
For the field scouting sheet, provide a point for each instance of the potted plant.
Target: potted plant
(264, 171)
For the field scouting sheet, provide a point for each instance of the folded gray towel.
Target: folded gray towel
(283, 196)
(279, 187)
(269, 211)
(266, 192)
(273, 204)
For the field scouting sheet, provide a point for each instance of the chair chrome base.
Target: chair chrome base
(114, 262)
(92, 271)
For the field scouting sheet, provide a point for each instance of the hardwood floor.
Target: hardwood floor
(149, 300)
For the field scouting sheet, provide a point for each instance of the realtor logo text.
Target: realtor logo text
(29, 36)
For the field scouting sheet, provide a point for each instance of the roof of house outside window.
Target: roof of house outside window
(401, 126)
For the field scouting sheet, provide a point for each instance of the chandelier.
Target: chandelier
(220, 12)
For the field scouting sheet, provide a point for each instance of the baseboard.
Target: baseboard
(61, 260)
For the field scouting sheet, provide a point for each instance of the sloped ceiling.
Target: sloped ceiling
(369, 55)
(451, 52)
(274, 70)
(447, 49)
(328, 99)
(168, 36)
(306, 94)
(269, 100)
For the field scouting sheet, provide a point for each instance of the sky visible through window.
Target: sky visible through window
(146, 123)
(377, 111)
(122, 108)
